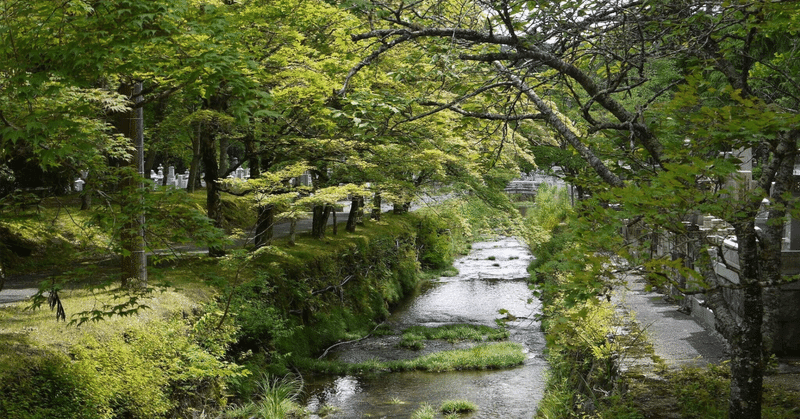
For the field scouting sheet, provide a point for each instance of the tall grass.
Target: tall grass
(277, 399)
(425, 411)
(483, 356)
(552, 206)
(457, 406)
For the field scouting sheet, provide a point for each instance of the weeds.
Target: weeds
(481, 357)
(484, 356)
(426, 411)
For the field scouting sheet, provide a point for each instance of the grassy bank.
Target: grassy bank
(208, 338)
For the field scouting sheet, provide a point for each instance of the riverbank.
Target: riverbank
(211, 338)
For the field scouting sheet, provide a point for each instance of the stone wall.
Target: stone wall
(785, 337)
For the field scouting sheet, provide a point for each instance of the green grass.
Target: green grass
(41, 328)
(425, 411)
(481, 357)
(412, 341)
(414, 336)
(277, 399)
(457, 406)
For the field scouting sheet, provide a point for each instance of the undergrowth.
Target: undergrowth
(585, 337)
(206, 340)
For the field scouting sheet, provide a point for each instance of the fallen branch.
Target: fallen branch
(347, 341)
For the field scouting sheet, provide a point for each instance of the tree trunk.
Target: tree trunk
(319, 220)
(360, 212)
(87, 192)
(745, 336)
(150, 161)
(747, 359)
(335, 224)
(264, 225)
(159, 114)
(376, 206)
(2, 276)
(772, 241)
(401, 208)
(134, 258)
(254, 162)
(352, 217)
(292, 231)
(213, 199)
(223, 156)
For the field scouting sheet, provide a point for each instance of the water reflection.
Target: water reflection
(490, 278)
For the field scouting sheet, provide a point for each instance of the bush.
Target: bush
(44, 385)
(149, 370)
(144, 371)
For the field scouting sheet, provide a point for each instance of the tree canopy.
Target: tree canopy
(658, 99)
(648, 106)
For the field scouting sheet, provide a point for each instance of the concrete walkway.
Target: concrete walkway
(677, 338)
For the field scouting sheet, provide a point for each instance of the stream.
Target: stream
(492, 277)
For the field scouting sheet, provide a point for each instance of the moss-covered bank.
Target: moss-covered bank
(210, 338)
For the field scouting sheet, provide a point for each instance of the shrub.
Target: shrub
(146, 371)
(43, 385)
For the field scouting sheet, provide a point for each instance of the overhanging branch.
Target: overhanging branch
(483, 115)
(555, 121)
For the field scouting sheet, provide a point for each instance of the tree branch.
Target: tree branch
(7, 122)
(482, 115)
(555, 121)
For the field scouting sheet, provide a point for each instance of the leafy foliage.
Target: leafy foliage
(144, 371)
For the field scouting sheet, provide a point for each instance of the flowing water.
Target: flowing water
(492, 277)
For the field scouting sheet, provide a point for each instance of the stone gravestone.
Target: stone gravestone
(171, 176)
